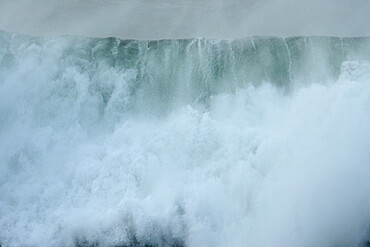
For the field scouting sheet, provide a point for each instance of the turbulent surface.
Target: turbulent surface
(261, 141)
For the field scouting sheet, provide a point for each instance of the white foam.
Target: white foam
(259, 168)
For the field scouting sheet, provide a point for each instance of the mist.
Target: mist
(168, 19)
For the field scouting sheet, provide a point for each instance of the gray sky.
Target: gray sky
(158, 19)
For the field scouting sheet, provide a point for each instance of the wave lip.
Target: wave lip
(188, 69)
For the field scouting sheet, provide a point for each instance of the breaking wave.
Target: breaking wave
(261, 141)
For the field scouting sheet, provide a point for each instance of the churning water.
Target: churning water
(261, 141)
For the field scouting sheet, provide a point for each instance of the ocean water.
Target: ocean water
(260, 141)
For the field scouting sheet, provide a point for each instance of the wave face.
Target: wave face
(261, 141)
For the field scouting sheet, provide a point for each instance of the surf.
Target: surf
(189, 142)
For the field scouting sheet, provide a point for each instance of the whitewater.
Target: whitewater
(262, 141)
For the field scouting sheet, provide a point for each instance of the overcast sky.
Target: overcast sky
(158, 19)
